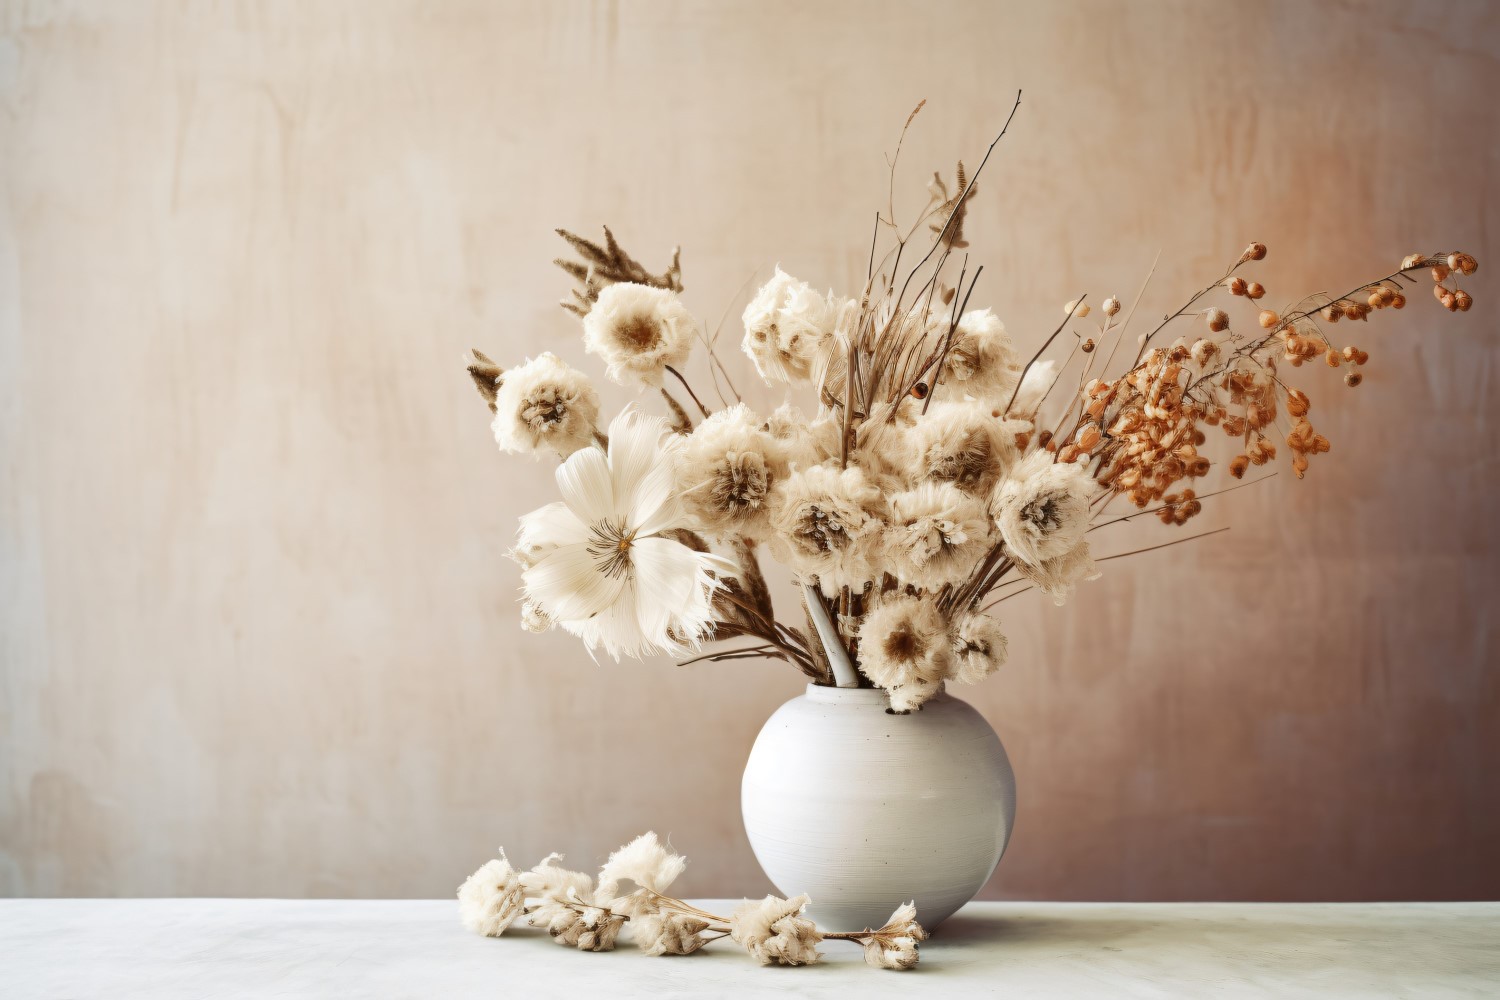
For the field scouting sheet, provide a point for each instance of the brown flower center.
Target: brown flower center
(638, 333)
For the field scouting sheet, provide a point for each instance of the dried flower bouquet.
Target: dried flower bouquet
(926, 472)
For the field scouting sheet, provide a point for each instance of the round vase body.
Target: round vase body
(864, 810)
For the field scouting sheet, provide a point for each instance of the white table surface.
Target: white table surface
(201, 948)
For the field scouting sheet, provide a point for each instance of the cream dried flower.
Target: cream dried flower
(1033, 388)
(491, 899)
(726, 470)
(905, 648)
(567, 909)
(963, 443)
(936, 534)
(787, 324)
(668, 933)
(1059, 577)
(1044, 508)
(638, 331)
(545, 403)
(894, 946)
(979, 648)
(824, 522)
(601, 564)
(982, 360)
(773, 931)
(534, 619)
(647, 863)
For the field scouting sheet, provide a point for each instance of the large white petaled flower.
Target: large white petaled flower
(601, 566)
(1034, 385)
(1044, 508)
(936, 534)
(1059, 577)
(979, 646)
(491, 898)
(787, 324)
(982, 359)
(773, 930)
(905, 648)
(824, 522)
(545, 403)
(964, 443)
(638, 331)
(726, 470)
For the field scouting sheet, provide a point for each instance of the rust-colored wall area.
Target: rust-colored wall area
(257, 634)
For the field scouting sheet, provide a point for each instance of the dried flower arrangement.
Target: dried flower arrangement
(580, 913)
(923, 480)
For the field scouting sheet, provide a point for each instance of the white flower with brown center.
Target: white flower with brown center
(545, 403)
(964, 443)
(824, 522)
(602, 566)
(639, 331)
(726, 470)
(979, 648)
(1044, 508)
(981, 361)
(787, 325)
(904, 647)
(936, 534)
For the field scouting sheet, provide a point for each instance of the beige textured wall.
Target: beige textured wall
(256, 633)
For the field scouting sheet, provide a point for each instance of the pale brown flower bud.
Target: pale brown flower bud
(1353, 379)
(1255, 251)
(1332, 358)
(1218, 320)
(1299, 465)
(1376, 302)
(1440, 272)
(1089, 438)
(1088, 346)
(1467, 264)
(1332, 313)
(1077, 309)
(1237, 286)
(1413, 261)
(1464, 299)
(1239, 465)
(1268, 319)
(1399, 302)
(1111, 306)
(1255, 290)
(1454, 261)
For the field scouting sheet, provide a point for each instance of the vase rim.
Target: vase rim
(846, 696)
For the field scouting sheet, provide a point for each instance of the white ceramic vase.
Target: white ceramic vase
(864, 810)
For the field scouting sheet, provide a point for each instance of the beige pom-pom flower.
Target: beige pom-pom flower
(567, 908)
(545, 403)
(936, 534)
(894, 946)
(773, 931)
(787, 324)
(824, 522)
(1059, 577)
(963, 443)
(491, 899)
(646, 862)
(1044, 508)
(726, 469)
(638, 331)
(905, 648)
(982, 360)
(668, 933)
(979, 648)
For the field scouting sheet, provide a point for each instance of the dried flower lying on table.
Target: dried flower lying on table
(929, 471)
(632, 891)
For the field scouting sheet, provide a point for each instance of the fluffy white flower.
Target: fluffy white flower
(1044, 508)
(824, 522)
(668, 933)
(904, 647)
(1060, 576)
(1034, 385)
(773, 930)
(726, 470)
(601, 566)
(964, 443)
(545, 403)
(646, 862)
(491, 898)
(936, 534)
(979, 648)
(787, 324)
(567, 909)
(894, 946)
(638, 331)
(982, 360)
